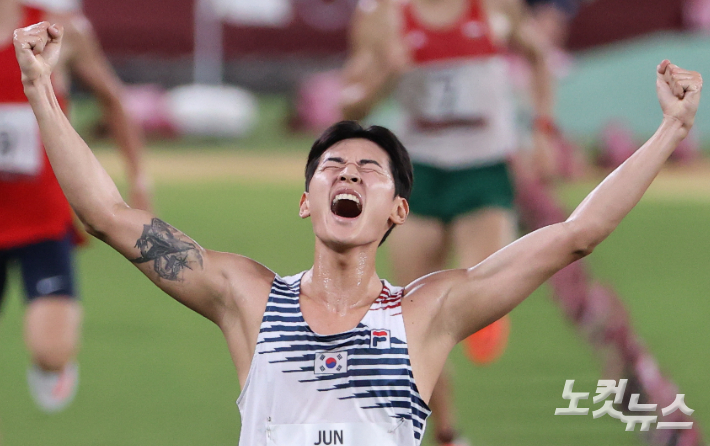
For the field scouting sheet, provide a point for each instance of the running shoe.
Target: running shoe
(53, 391)
(488, 344)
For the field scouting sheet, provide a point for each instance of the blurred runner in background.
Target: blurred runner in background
(446, 61)
(37, 230)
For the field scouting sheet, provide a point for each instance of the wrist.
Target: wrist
(34, 88)
(675, 126)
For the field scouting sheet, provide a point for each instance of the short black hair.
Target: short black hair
(400, 164)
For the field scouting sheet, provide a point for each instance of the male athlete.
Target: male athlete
(335, 354)
(36, 228)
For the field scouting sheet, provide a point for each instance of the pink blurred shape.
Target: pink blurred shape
(617, 144)
(147, 105)
(688, 150)
(318, 102)
(696, 15)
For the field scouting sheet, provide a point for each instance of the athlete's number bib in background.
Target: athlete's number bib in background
(458, 91)
(346, 434)
(20, 144)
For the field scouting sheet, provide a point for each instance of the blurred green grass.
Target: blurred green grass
(154, 373)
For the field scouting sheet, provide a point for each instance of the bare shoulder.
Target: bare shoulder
(375, 8)
(377, 19)
(425, 296)
(78, 32)
(76, 25)
(247, 281)
(512, 7)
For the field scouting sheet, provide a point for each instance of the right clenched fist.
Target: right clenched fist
(37, 49)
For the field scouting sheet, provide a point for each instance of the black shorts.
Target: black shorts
(47, 267)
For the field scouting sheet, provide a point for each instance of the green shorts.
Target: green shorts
(446, 193)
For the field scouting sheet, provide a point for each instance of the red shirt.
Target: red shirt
(469, 37)
(32, 208)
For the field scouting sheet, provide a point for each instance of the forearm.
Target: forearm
(604, 208)
(542, 86)
(360, 96)
(88, 188)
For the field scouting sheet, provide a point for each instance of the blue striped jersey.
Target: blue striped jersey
(303, 384)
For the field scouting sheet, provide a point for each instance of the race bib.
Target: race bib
(457, 92)
(346, 434)
(20, 143)
(450, 95)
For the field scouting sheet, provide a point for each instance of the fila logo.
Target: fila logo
(380, 339)
(331, 363)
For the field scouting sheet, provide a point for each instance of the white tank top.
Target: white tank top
(353, 389)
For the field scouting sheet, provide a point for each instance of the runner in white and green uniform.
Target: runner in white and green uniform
(446, 65)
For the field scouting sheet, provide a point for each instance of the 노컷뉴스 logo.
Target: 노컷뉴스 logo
(607, 387)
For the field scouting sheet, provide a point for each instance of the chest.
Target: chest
(329, 321)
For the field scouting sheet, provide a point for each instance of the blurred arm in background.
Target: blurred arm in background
(512, 18)
(82, 56)
(377, 57)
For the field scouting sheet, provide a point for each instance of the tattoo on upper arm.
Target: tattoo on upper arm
(170, 255)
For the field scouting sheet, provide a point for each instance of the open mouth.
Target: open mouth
(346, 205)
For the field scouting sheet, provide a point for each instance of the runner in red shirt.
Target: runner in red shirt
(36, 228)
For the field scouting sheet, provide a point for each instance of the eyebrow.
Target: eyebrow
(362, 162)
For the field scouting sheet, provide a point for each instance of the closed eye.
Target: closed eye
(364, 165)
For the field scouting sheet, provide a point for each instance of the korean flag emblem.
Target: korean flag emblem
(380, 339)
(331, 363)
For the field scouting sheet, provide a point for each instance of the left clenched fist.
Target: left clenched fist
(37, 49)
(678, 92)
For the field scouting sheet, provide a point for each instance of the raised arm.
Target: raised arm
(377, 57)
(206, 281)
(475, 297)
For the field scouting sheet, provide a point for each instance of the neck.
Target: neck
(343, 280)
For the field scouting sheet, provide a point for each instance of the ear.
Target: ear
(400, 211)
(304, 210)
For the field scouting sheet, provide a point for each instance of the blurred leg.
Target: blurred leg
(418, 248)
(52, 327)
(476, 236)
(442, 409)
(479, 234)
(3, 278)
(52, 322)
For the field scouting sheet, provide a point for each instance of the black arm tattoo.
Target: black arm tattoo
(169, 254)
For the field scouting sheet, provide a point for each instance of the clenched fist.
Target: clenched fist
(678, 92)
(37, 49)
